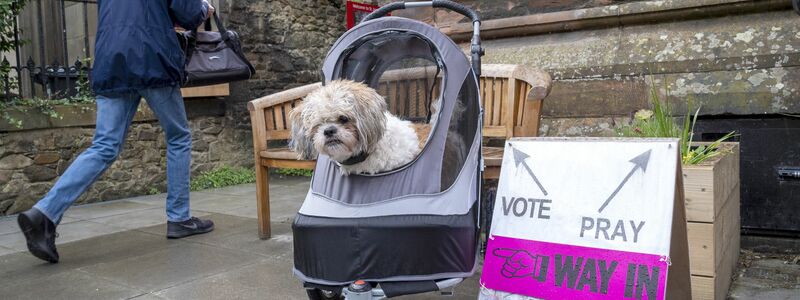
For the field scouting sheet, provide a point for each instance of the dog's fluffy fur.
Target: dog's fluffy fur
(344, 119)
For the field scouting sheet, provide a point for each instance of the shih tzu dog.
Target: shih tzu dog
(349, 122)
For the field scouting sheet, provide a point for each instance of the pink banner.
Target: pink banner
(557, 271)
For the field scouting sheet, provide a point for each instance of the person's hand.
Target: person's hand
(519, 263)
(211, 9)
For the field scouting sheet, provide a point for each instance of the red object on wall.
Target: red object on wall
(356, 11)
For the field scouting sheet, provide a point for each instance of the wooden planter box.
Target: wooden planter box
(712, 211)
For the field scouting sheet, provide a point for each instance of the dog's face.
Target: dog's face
(341, 119)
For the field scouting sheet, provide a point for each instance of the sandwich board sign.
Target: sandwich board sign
(589, 219)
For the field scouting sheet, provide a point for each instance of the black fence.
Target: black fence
(29, 76)
(53, 81)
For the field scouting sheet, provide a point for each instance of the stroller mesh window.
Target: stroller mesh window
(461, 133)
(404, 68)
(410, 86)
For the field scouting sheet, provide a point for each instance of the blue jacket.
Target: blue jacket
(136, 46)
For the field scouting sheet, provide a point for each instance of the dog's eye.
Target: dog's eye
(343, 119)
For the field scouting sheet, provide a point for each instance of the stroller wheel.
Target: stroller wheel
(317, 294)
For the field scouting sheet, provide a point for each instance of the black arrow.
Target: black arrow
(640, 162)
(519, 158)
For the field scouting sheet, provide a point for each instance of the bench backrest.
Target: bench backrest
(511, 96)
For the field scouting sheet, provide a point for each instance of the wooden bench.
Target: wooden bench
(511, 96)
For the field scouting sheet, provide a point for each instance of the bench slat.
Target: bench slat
(494, 131)
(288, 164)
(279, 134)
(279, 122)
(269, 118)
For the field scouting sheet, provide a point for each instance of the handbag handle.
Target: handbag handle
(207, 24)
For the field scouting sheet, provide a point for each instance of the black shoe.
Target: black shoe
(40, 234)
(176, 230)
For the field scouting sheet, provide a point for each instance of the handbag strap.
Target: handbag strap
(207, 26)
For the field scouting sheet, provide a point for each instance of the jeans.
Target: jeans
(114, 116)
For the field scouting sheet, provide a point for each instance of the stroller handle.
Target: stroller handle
(475, 47)
(457, 7)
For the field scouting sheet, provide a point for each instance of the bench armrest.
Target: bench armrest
(282, 97)
(258, 117)
(539, 80)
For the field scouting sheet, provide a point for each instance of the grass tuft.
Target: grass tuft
(222, 177)
(295, 172)
(660, 123)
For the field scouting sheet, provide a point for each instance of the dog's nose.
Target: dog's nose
(330, 131)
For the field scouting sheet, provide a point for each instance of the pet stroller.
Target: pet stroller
(413, 229)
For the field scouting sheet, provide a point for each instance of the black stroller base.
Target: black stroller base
(334, 251)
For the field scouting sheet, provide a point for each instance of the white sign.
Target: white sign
(585, 218)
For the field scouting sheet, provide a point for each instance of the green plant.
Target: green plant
(660, 123)
(153, 191)
(222, 177)
(83, 87)
(695, 155)
(295, 172)
(9, 10)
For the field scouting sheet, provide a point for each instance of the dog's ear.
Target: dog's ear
(370, 119)
(300, 141)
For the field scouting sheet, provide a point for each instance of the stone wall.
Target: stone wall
(286, 40)
(731, 57)
(498, 9)
(31, 161)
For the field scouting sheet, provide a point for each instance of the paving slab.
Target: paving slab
(281, 210)
(247, 211)
(239, 233)
(768, 279)
(4, 251)
(104, 209)
(70, 285)
(267, 279)
(285, 202)
(9, 224)
(83, 230)
(148, 296)
(237, 190)
(14, 241)
(158, 200)
(749, 291)
(220, 203)
(22, 266)
(141, 218)
(171, 266)
(70, 232)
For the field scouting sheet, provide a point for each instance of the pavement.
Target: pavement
(118, 250)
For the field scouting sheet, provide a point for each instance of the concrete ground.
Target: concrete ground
(118, 250)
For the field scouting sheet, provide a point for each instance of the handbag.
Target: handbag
(213, 57)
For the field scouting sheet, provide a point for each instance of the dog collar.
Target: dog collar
(355, 159)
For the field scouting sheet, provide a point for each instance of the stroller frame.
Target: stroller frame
(360, 289)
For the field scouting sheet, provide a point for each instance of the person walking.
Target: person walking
(137, 55)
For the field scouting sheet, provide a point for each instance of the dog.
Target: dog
(349, 122)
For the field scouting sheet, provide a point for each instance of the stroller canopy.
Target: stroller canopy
(417, 222)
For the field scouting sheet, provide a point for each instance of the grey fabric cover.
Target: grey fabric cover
(416, 186)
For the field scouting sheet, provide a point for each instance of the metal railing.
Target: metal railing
(52, 81)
